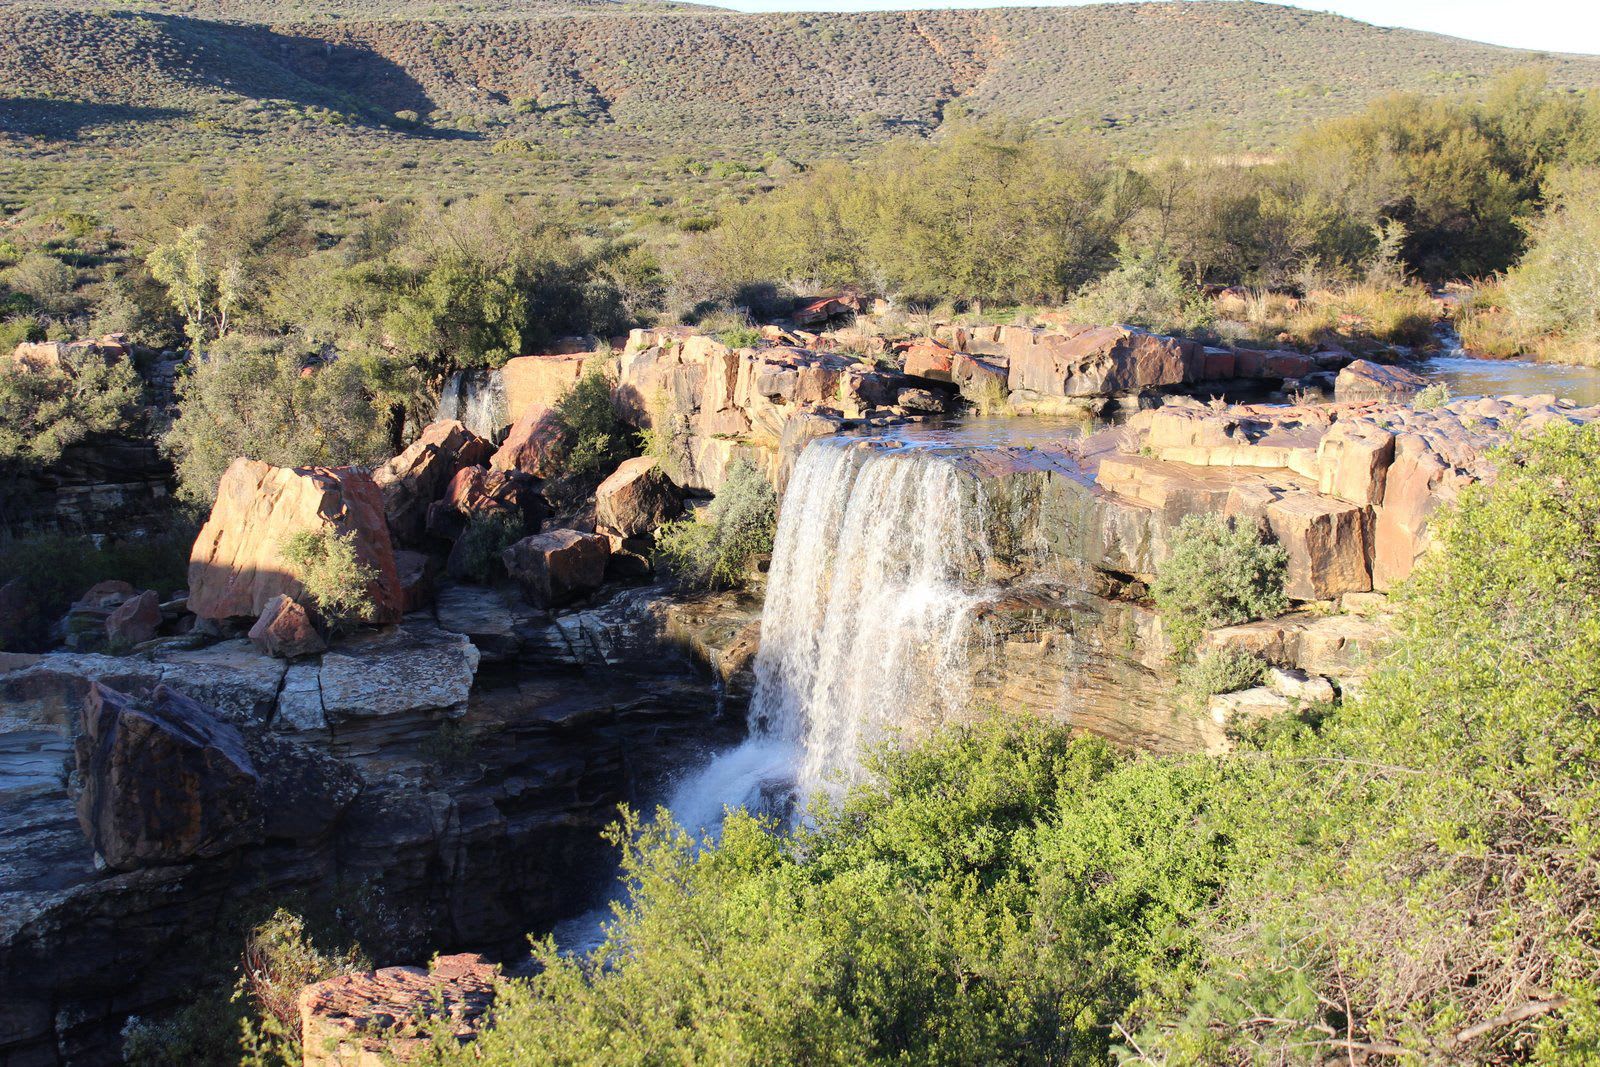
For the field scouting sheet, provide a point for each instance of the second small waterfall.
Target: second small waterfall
(876, 576)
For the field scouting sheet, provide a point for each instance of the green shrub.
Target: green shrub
(1218, 670)
(1146, 289)
(594, 439)
(332, 575)
(1433, 396)
(667, 436)
(714, 550)
(488, 534)
(248, 397)
(742, 337)
(1553, 294)
(1218, 574)
(42, 412)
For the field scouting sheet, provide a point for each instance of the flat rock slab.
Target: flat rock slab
(414, 667)
(482, 615)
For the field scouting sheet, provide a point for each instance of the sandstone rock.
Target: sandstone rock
(417, 572)
(538, 382)
(1364, 380)
(1410, 496)
(483, 616)
(1246, 707)
(285, 630)
(300, 699)
(477, 490)
(1299, 686)
(237, 566)
(389, 1015)
(163, 780)
(637, 498)
(535, 444)
(413, 667)
(232, 679)
(414, 479)
(303, 789)
(557, 567)
(1327, 545)
(922, 400)
(1354, 459)
(134, 621)
(931, 360)
(1094, 362)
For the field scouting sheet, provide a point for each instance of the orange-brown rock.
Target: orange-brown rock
(1364, 380)
(375, 1018)
(637, 498)
(930, 359)
(558, 566)
(535, 444)
(414, 479)
(237, 563)
(1094, 362)
(135, 620)
(285, 630)
(1326, 541)
(540, 381)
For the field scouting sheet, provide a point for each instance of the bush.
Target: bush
(1218, 670)
(1553, 294)
(332, 575)
(594, 439)
(1146, 289)
(714, 550)
(743, 337)
(1218, 574)
(488, 534)
(42, 412)
(248, 397)
(1433, 396)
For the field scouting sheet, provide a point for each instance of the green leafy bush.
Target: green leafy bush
(714, 550)
(42, 412)
(249, 397)
(1145, 289)
(1433, 396)
(1553, 294)
(488, 534)
(332, 575)
(1218, 670)
(595, 440)
(1218, 574)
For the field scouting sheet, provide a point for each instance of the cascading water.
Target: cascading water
(876, 576)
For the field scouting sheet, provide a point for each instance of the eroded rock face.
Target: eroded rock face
(164, 781)
(1365, 381)
(558, 566)
(390, 1014)
(237, 565)
(637, 498)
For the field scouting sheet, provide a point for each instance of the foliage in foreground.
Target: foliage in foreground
(714, 550)
(1413, 875)
(42, 412)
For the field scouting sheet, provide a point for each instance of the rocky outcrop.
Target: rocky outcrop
(637, 498)
(134, 621)
(558, 566)
(538, 382)
(162, 780)
(237, 565)
(392, 1014)
(418, 476)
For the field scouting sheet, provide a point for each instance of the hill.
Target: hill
(618, 102)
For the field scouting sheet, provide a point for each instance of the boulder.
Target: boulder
(558, 566)
(1364, 380)
(535, 444)
(925, 401)
(417, 572)
(84, 626)
(414, 479)
(1300, 686)
(391, 1014)
(637, 498)
(477, 490)
(931, 360)
(134, 621)
(237, 566)
(1327, 545)
(1353, 460)
(285, 630)
(1096, 362)
(164, 781)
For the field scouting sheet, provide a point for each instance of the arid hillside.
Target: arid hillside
(622, 101)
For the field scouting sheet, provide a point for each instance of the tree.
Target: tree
(44, 411)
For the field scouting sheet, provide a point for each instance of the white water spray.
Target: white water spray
(867, 626)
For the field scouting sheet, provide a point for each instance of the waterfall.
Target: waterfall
(876, 575)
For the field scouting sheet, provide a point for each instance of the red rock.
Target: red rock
(164, 781)
(557, 566)
(1100, 361)
(637, 498)
(237, 567)
(1409, 498)
(285, 630)
(1216, 364)
(1364, 380)
(1354, 458)
(414, 479)
(389, 1015)
(929, 359)
(135, 620)
(535, 444)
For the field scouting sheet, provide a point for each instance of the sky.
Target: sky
(1544, 25)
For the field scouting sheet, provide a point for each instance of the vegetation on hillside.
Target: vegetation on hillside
(715, 547)
(1411, 874)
